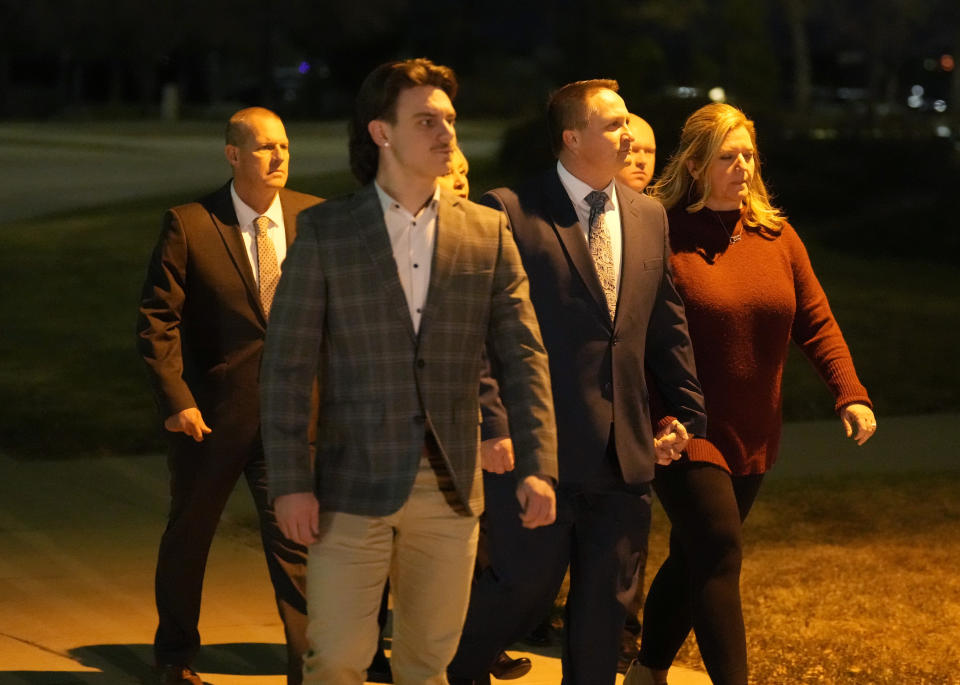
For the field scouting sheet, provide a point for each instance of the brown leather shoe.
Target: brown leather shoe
(178, 675)
(505, 668)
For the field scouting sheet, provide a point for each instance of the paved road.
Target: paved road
(46, 168)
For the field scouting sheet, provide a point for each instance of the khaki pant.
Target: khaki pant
(428, 551)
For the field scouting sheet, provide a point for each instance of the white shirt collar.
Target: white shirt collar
(578, 190)
(246, 214)
(387, 203)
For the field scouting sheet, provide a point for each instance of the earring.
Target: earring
(386, 143)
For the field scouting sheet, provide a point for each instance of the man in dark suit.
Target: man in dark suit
(203, 317)
(596, 255)
(386, 301)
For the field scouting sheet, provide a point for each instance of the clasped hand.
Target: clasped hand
(669, 443)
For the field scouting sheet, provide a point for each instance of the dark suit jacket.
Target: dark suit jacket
(340, 315)
(597, 366)
(201, 326)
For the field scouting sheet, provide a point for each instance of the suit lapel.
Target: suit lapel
(367, 215)
(451, 225)
(225, 219)
(290, 211)
(568, 228)
(631, 243)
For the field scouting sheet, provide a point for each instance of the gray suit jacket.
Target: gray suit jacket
(340, 316)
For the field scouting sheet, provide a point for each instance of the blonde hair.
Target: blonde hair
(459, 168)
(700, 141)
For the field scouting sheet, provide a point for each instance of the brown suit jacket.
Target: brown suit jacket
(201, 326)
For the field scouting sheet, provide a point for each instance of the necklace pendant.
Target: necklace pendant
(735, 238)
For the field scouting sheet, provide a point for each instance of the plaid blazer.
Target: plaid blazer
(340, 316)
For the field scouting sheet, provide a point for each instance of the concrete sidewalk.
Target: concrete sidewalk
(78, 544)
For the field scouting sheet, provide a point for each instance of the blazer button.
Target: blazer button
(421, 363)
(607, 388)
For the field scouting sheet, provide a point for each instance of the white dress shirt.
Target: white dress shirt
(412, 238)
(577, 190)
(276, 232)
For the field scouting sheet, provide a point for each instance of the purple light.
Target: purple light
(303, 67)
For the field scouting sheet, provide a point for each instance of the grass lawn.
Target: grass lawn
(71, 382)
(848, 580)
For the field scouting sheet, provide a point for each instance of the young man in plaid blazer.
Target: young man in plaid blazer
(387, 299)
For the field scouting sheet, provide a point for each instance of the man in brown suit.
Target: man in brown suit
(201, 326)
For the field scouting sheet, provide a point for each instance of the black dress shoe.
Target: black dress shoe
(171, 674)
(505, 668)
(379, 670)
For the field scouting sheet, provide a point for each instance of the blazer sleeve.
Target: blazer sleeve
(289, 370)
(669, 353)
(160, 317)
(515, 347)
(492, 411)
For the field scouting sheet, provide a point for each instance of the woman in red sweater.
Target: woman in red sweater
(749, 289)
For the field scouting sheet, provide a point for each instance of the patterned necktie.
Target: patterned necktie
(600, 250)
(267, 264)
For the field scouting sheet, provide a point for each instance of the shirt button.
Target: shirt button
(420, 362)
(416, 266)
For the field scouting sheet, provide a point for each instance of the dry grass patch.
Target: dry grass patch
(849, 580)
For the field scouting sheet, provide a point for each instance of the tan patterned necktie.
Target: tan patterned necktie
(600, 249)
(267, 264)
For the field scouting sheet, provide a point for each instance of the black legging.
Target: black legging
(698, 585)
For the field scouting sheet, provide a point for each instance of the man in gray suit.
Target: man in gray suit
(387, 299)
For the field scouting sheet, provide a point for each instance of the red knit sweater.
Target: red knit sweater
(745, 301)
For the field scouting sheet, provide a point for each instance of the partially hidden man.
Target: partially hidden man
(203, 317)
(387, 299)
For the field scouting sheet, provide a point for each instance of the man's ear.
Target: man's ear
(571, 138)
(378, 130)
(232, 153)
